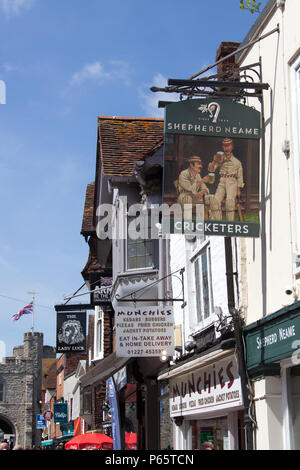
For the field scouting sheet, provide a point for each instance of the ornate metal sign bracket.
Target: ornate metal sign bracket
(238, 84)
(134, 299)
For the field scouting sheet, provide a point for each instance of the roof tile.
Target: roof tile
(125, 140)
(88, 213)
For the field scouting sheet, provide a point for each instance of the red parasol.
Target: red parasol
(90, 441)
(130, 440)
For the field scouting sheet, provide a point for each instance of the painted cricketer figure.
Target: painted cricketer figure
(230, 184)
(190, 185)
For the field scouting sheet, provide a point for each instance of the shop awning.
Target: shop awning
(271, 339)
(104, 369)
(47, 443)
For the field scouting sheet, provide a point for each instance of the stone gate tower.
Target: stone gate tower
(20, 391)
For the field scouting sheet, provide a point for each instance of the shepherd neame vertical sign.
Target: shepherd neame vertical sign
(212, 161)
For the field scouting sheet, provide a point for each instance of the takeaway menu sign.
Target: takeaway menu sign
(144, 332)
(211, 160)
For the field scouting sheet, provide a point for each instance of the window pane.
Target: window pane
(205, 287)
(140, 248)
(87, 402)
(1, 392)
(198, 290)
(203, 283)
(131, 250)
(99, 337)
(132, 263)
(212, 306)
(139, 252)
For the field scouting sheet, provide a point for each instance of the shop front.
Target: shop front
(206, 402)
(273, 363)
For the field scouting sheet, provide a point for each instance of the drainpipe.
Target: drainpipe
(237, 324)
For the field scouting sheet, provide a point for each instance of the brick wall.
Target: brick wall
(229, 66)
(72, 360)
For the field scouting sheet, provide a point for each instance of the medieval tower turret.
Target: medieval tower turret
(21, 384)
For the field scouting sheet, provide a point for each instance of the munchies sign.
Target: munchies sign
(206, 389)
(144, 331)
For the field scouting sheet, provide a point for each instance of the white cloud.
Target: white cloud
(120, 70)
(149, 100)
(7, 67)
(95, 71)
(14, 7)
(92, 71)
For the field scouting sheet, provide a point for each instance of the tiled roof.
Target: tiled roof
(125, 140)
(88, 213)
(49, 376)
(92, 265)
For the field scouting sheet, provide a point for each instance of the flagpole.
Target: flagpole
(33, 300)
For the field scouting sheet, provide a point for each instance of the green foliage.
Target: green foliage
(251, 5)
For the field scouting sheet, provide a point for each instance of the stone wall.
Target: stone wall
(166, 423)
(21, 377)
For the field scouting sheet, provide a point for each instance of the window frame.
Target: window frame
(98, 346)
(201, 322)
(149, 239)
(295, 100)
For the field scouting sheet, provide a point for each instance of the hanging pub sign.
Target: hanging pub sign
(211, 168)
(60, 412)
(144, 331)
(71, 332)
(102, 292)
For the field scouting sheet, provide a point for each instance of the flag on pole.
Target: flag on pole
(24, 311)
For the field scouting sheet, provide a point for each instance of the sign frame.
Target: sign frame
(272, 341)
(71, 332)
(146, 331)
(60, 410)
(212, 388)
(228, 180)
(40, 421)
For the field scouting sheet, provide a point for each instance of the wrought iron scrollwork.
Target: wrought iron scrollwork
(238, 83)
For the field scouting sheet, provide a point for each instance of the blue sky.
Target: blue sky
(64, 62)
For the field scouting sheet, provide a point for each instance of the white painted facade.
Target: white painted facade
(72, 390)
(266, 265)
(184, 253)
(270, 265)
(69, 384)
(280, 58)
